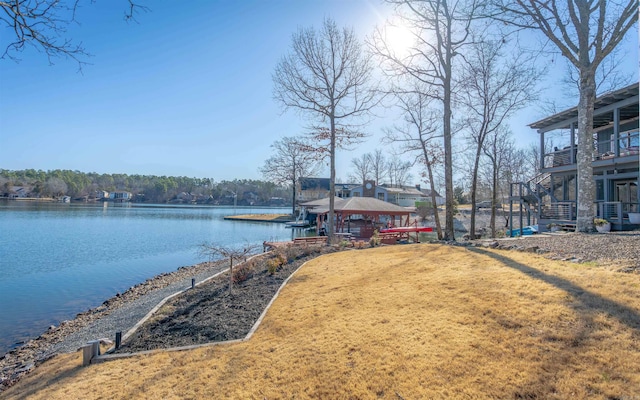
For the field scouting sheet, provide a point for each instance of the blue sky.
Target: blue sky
(185, 91)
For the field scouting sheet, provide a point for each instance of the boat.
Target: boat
(404, 229)
(300, 222)
(297, 224)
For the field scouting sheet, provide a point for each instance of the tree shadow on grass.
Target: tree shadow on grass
(50, 379)
(587, 305)
(588, 301)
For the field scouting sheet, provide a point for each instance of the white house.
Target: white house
(404, 196)
(120, 195)
(18, 192)
(439, 199)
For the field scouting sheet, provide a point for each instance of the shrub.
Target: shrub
(243, 272)
(309, 250)
(272, 265)
(375, 239)
(291, 253)
(600, 221)
(360, 244)
(278, 260)
(281, 259)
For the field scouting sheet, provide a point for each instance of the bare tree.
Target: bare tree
(327, 76)
(56, 186)
(398, 171)
(585, 33)
(442, 29)
(43, 24)
(419, 135)
(362, 168)
(290, 162)
(378, 165)
(495, 87)
(232, 252)
(499, 148)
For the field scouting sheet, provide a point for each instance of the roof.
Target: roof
(314, 183)
(321, 202)
(399, 190)
(427, 192)
(603, 110)
(364, 205)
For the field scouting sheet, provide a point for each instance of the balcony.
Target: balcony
(628, 145)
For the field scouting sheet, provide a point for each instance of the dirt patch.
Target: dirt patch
(211, 312)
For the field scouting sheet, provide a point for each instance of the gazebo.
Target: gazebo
(368, 207)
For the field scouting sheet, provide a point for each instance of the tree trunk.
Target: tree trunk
(448, 168)
(293, 207)
(586, 185)
(494, 197)
(230, 275)
(474, 186)
(434, 202)
(332, 179)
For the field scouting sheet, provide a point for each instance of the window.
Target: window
(629, 139)
(600, 190)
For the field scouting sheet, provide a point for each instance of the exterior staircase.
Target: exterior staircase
(538, 204)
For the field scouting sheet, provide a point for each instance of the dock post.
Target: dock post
(193, 283)
(118, 339)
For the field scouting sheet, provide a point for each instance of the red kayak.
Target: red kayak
(403, 229)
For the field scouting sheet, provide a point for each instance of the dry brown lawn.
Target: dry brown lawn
(402, 322)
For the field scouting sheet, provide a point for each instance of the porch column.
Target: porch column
(616, 131)
(572, 154)
(574, 211)
(542, 150)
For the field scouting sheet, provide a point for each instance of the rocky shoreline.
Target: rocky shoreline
(122, 310)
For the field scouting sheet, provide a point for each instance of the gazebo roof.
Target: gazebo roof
(364, 205)
(322, 202)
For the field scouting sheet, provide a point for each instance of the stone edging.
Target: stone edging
(109, 357)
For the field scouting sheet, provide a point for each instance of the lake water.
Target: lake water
(57, 260)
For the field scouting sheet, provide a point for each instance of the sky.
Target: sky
(185, 91)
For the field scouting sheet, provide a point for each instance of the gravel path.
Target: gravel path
(120, 313)
(126, 316)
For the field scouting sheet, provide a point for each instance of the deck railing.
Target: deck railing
(616, 211)
(562, 210)
(628, 144)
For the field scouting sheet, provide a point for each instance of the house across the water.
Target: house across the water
(120, 196)
(551, 197)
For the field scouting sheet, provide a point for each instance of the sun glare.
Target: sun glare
(399, 39)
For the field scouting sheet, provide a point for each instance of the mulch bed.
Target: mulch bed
(212, 313)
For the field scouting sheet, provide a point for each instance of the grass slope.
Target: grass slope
(414, 321)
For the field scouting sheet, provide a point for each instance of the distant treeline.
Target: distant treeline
(144, 188)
